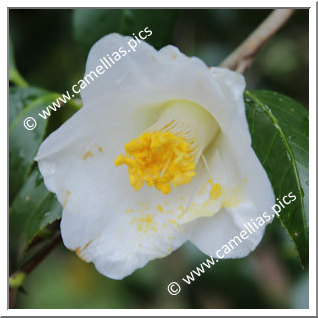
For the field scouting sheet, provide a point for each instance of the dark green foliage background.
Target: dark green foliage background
(50, 49)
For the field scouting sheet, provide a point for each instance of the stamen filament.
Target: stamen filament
(206, 167)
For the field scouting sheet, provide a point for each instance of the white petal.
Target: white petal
(242, 169)
(119, 78)
(211, 234)
(114, 243)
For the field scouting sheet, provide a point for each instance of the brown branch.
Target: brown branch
(11, 297)
(41, 256)
(243, 57)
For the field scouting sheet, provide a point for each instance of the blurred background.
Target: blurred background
(51, 47)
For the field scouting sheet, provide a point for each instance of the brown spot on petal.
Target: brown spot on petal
(78, 253)
(80, 250)
(86, 245)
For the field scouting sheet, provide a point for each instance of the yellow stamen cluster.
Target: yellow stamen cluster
(159, 159)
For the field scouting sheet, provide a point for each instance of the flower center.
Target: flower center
(167, 152)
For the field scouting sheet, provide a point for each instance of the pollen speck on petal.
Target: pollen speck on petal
(67, 195)
(87, 155)
(215, 191)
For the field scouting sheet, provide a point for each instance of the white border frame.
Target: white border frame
(312, 160)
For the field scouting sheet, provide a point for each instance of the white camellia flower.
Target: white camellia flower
(159, 154)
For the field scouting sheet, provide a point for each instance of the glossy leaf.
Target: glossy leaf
(33, 207)
(32, 210)
(21, 97)
(279, 127)
(23, 143)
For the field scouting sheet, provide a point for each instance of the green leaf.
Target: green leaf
(14, 75)
(23, 143)
(92, 24)
(33, 207)
(32, 210)
(21, 97)
(280, 128)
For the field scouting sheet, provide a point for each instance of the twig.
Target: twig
(11, 297)
(243, 57)
(41, 256)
